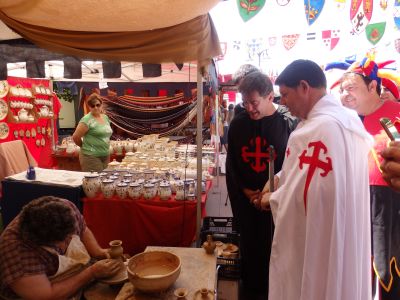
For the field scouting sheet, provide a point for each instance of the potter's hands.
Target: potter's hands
(266, 186)
(391, 165)
(105, 268)
(253, 196)
(103, 254)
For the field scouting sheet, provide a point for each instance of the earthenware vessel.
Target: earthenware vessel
(116, 251)
(135, 190)
(149, 191)
(91, 184)
(181, 293)
(108, 188)
(148, 174)
(209, 245)
(180, 190)
(165, 190)
(153, 271)
(122, 190)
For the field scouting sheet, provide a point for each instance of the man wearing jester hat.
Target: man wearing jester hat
(360, 90)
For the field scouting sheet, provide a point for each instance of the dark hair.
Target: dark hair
(231, 106)
(46, 220)
(302, 69)
(256, 81)
(92, 99)
(366, 80)
(243, 71)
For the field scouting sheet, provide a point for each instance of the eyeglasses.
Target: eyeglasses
(96, 105)
(252, 103)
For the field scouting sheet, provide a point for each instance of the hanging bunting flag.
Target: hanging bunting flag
(313, 9)
(340, 4)
(290, 40)
(272, 41)
(396, 13)
(375, 32)
(330, 38)
(236, 45)
(383, 4)
(397, 45)
(282, 2)
(360, 14)
(249, 8)
(311, 36)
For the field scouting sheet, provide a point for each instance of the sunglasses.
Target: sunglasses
(96, 105)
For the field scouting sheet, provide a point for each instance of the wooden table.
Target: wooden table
(197, 271)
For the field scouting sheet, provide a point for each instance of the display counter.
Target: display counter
(141, 223)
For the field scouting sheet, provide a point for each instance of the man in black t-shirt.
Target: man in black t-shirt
(250, 134)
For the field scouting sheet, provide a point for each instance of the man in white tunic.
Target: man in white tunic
(322, 247)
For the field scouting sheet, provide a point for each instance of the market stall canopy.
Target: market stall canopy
(152, 31)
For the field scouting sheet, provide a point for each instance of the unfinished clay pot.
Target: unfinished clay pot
(116, 251)
(209, 245)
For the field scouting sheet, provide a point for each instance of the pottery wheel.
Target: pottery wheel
(118, 278)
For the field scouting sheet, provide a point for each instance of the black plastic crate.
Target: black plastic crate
(221, 230)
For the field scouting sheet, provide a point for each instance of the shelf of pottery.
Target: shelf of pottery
(152, 167)
(19, 105)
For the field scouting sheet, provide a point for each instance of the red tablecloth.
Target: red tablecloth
(141, 223)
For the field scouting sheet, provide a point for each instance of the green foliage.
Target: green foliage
(65, 94)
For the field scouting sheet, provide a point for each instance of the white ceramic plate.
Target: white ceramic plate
(3, 109)
(14, 90)
(3, 88)
(4, 130)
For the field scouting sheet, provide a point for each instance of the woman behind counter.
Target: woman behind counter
(93, 136)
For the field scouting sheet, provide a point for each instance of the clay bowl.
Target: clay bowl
(153, 271)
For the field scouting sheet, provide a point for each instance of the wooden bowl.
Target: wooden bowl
(153, 271)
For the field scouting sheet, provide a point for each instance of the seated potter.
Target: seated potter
(45, 251)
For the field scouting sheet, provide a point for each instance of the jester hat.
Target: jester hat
(369, 68)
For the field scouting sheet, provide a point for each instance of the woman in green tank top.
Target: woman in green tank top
(93, 136)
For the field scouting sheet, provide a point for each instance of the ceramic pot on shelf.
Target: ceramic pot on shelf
(44, 111)
(23, 115)
(91, 184)
(107, 188)
(180, 190)
(135, 190)
(148, 174)
(149, 191)
(116, 251)
(122, 190)
(165, 190)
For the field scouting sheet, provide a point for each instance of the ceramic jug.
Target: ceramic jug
(135, 190)
(180, 190)
(116, 251)
(91, 184)
(23, 115)
(129, 145)
(209, 245)
(107, 188)
(148, 174)
(165, 190)
(149, 191)
(122, 190)
(44, 111)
